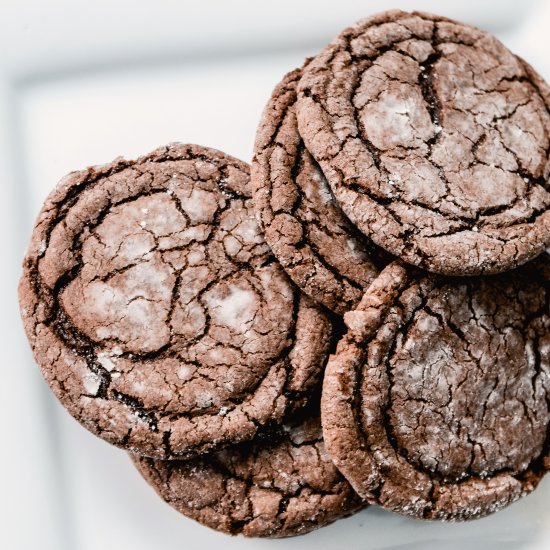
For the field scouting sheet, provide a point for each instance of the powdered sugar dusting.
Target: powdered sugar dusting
(91, 383)
(185, 372)
(235, 310)
(199, 205)
(105, 361)
(322, 187)
(205, 399)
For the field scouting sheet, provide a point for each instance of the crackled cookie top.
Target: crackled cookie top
(435, 404)
(156, 310)
(279, 486)
(435, 140)
(319, 248)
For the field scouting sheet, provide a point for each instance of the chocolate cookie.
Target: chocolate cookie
(277, 487)
(156, 310)
(435, 140)
(436, 403)
(319, 248)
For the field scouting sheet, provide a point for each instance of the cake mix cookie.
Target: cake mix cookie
(157, 312)
(435, 404)
(324, 254)
(280, 486)
(435, 140)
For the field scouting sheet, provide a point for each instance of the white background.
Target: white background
(82, 82)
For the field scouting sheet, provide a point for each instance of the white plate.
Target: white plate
(80, 86)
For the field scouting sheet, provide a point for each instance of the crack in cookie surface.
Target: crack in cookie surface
(435, 140)
(276, 486)
(436, 403)
(156, 310)
(316, 244)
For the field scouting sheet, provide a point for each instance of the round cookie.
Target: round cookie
(156, 311)
(435, 140)
(280, 486)
(435, 404)
(316, 244)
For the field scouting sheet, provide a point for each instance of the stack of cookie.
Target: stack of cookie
(363, 319)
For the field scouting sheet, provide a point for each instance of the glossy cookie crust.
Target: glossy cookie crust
(279, 485)
(157, 312)
(435, 404)
(435, 140)
(323, 253)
